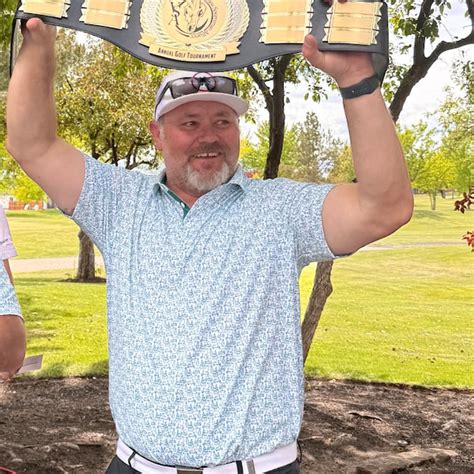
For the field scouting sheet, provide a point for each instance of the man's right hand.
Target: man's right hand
(31, 119)
(36, 31)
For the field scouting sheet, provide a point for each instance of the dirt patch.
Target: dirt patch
(64, 426)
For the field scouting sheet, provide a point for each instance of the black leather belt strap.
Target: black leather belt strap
(169, 33)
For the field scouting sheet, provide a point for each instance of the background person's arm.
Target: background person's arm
(381, 201)
(31, 120)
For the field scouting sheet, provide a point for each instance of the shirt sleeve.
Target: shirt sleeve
(305, 215)
(8, 299)
(7, 249)
(102, 199)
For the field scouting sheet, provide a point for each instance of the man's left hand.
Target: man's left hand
(345, 67)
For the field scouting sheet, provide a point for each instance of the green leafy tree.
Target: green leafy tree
(316, 151)
(107, 106)
(456, 124)
(15, 182)
(434, 163)
(12, 179)
(307, 155)
(7, 9)
(456, 117)
(254, 157)
(418, 143)
(342, 170)
(270, 80)
(417, 26)
(436, 173)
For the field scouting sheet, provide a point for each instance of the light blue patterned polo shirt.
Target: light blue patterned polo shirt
(8, 300)
(203, 311)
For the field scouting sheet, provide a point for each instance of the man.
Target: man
(12, 329)
(203, 267)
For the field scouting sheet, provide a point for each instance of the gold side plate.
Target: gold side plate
(286, 6)
(350, 36)
(281, 21)
(121, 7)
(286, 21)
(353, 23)
(104, 18)
(57, 9)
(357, 22)
(356, 8)
(284, 36)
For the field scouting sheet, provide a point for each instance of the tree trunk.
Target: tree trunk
(277, 118)
(86, 266)
(433, 201)
(322, 289)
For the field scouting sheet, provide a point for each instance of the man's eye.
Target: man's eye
(189, 124)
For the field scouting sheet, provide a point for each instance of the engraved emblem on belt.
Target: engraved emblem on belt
(193, 30)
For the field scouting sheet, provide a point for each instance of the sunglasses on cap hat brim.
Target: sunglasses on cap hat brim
(187, 86)
(193, 85)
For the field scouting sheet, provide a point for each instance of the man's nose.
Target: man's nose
(208, 134)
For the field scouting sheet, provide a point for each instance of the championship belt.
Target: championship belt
(219, 35)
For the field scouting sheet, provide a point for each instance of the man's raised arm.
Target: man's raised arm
(31, 120)
(355, 215)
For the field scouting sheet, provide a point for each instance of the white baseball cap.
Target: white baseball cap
(181, 87)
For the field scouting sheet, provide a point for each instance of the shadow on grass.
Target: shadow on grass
(36, 281)
(45, 280)
(62, 370)
(31, 214)
(94, 281)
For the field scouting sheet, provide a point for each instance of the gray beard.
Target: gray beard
(199, 184)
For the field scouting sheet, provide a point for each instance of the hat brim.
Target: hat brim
(238, 105)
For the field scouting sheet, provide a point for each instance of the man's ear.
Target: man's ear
(156, 132)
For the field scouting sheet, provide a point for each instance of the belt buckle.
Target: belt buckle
(188, 470)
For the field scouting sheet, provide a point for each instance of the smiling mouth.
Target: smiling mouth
(207, 156)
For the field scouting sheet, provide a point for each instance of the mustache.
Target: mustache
(210, 148)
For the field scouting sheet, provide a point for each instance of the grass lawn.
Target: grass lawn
(398, 315)
(39, 234)
(430, 227)
(65, 323)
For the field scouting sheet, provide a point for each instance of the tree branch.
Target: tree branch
(258, 79)
(420, 40)
(420, 67)
(470, 9)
